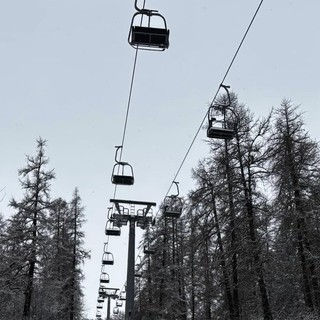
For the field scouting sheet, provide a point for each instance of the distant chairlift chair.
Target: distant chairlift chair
(172, 205)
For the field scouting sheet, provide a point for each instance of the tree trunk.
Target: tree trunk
(234, 262)
(226, 282)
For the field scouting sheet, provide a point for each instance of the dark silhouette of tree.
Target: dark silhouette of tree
(28, 224)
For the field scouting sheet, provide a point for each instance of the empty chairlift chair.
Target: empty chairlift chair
(115, 310)
(112, 229)
(148, 30)
(138, 269)
(100, 299)
(102, 291)
(143, 218)
(122, 173)
(119, 303)
(104, 278)
(107, 258)
(122, 296)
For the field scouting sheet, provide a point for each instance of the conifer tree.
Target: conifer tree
(28, 227)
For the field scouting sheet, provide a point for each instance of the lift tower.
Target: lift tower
(140, 218)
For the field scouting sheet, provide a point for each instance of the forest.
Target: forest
(41, 249)
(246, 245)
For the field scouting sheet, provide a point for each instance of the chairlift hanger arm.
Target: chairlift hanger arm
(177, 185)
(143, 10)
(116, 155)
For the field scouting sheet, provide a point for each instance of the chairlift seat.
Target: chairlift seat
(149, 37)
(220, 133)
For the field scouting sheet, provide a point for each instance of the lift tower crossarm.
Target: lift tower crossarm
(117, 203)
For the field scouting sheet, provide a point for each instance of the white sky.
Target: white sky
(65, 70)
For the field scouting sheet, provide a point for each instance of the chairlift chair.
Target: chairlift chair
(138, 273)
(224, 130)
(112, 229)
(122, 295)
(119, 303)
(172, 207)
(122, 173)
(102, 291)
(100, 300)
(148, 36)
(107, 258)
(119, 218)
(218, 132)
(100, 306)
(104, 278)
(115, 310)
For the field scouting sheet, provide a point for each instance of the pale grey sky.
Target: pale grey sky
(65, 73)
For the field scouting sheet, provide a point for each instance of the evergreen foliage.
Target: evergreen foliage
(247, 244)
(41, 249)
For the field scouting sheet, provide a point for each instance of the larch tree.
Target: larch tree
(295, 168)
(28, 227)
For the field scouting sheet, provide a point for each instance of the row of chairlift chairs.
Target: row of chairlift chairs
(148, 35)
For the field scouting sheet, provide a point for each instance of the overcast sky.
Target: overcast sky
(65, 71)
